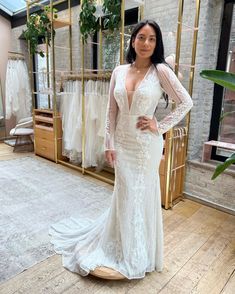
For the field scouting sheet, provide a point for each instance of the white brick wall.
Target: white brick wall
(219, 191)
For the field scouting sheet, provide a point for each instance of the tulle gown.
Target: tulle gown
(128, 237)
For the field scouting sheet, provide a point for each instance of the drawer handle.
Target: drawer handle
(43, 148)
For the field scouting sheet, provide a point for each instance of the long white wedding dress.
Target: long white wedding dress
(128, 237)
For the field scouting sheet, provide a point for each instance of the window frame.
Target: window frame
(221, 65)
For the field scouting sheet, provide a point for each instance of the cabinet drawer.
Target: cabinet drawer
(45, 148)
(43, 134)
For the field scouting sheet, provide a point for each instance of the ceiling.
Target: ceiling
(12, 6)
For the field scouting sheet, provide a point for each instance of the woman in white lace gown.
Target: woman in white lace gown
(129, 236)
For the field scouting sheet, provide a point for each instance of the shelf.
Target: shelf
(50, 129)
(60, 23)
(44, 118)
(37, 111)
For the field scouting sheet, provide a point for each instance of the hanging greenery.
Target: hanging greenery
(39, 28)
(88, 22)
(112, 11)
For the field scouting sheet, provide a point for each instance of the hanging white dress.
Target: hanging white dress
(90, 124)
(101, 106)
(18, 94)
(70, 109)
(128, 237)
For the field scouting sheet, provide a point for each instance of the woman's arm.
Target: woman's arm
(174, 89)
(111, 115)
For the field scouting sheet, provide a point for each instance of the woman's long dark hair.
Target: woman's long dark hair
(158, 54)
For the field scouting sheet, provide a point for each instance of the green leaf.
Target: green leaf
(222, 166)
(225, 79)
(226, 114)
(41, 54)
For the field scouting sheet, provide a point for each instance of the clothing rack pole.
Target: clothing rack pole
(83, 101)
(192, 71)
(28, 4)
(169, 136)
(122, 31)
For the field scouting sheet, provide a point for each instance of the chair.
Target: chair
(23, 132)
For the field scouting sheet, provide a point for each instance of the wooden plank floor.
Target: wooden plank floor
(199, 257)
(6, 152)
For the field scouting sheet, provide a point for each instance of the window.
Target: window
(224, 100)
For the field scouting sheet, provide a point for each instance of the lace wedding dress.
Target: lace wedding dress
(128, 237)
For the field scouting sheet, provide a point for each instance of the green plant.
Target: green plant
(39, 28)
(226, 80)
(112, 11)
(223, 166)
(88, 22)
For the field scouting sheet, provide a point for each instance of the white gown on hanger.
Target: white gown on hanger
(128, 237)
(18, 94)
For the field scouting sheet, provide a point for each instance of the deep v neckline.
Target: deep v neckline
(129, 107)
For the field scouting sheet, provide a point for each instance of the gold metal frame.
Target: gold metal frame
(170, 160)
(53, 81)
(170, 171)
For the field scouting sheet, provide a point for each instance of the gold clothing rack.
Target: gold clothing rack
(15, 55)
(88, 76)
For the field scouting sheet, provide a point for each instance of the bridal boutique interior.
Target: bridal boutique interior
(54, 90)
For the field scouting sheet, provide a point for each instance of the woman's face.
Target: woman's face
(145, 42)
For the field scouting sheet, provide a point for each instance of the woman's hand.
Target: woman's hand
(145, 123)
(110, 156)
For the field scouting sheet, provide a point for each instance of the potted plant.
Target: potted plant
(227, 80)
(39, 29)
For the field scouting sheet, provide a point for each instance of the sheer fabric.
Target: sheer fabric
(70, 109)
(18, 93)
(96, 100)
(128, 237)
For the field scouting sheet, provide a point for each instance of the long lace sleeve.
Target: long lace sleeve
(173, 88)
(111, 114)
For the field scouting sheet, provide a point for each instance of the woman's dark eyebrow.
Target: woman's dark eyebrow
(145, 35)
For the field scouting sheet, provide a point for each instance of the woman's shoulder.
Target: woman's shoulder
(164, 71)
(121, 67)
(163, 67)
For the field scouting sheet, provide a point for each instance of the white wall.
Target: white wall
(5, 41)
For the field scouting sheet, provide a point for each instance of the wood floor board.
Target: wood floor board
(36, 275)
(198, 224)
(199, 257)
(218, 273)
(230, 285)
(56, 284)
(189, 210)
(197, 266)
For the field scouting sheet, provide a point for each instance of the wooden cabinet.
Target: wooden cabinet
(45, 127)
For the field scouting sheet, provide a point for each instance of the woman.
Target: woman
(129, 236)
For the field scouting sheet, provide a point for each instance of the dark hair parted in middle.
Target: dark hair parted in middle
(158, 54)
